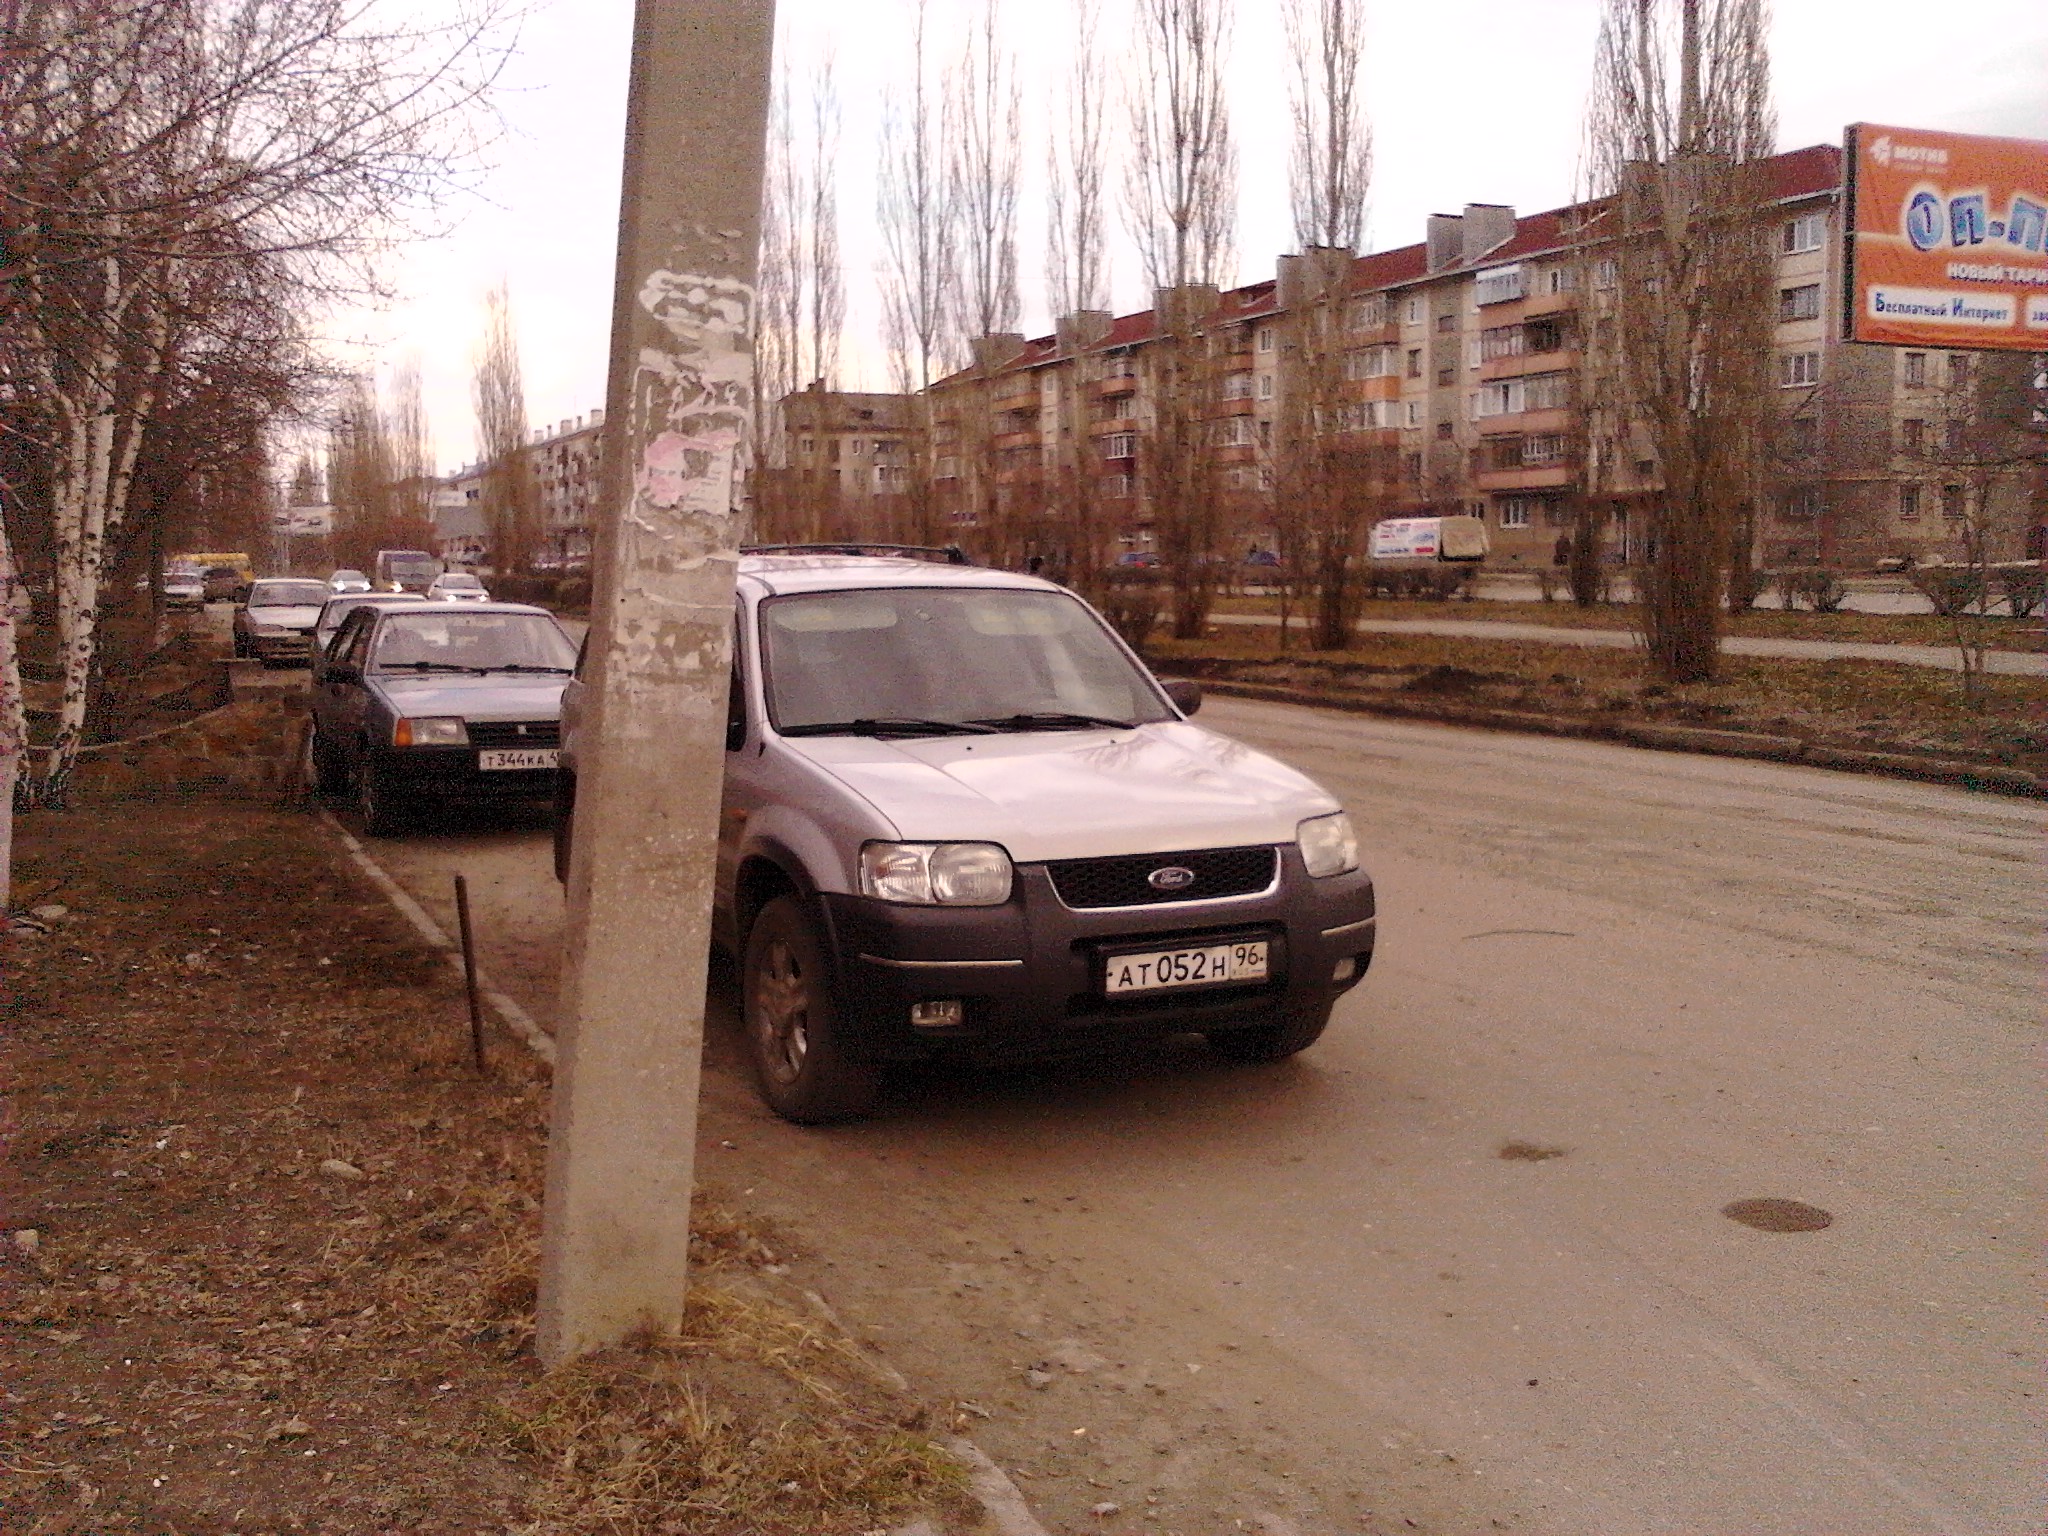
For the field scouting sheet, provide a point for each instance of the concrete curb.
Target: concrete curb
(1000, 1500)
(1664, 738)
(515, 1018)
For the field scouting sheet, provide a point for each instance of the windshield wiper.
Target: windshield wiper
(891, 725)
(425, 666)
(525, 666)
(1052, 720)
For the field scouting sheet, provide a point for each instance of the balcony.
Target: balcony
(1527, 477)
(1557, 419)
(1011, 395)
(1528, 362)
(1003, 441)
(1386, 334)
(1236, 405)
(1540, 304)
(1386, 386)
(1116, 384)
(1113, 424)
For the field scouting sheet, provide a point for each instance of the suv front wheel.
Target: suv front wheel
(792, 1025)
(1275, 1042)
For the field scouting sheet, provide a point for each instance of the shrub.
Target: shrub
(1953, 590)
(1132, 600)
(1819, 587)
(2025, 588)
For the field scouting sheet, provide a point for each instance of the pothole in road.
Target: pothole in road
(1528, 1152)
(1773, 1215)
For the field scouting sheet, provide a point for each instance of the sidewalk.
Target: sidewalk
(2006, 663)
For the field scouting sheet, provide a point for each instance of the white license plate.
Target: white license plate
(517, 757)
(1206, 966)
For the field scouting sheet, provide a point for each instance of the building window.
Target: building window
(1802, 234)
(807, 447)
(1913, 435)
(947, 467)
(1499, 284)
(1414, 413)
(1415, 310)
(1237, 386)
(1443, 430)
(1916, 370)
(1797, 370)
(1265, 386)
(1366, 314)
(1265, 338)
(1265, 434)
(1909, 503)
(1233, 432)
(1501, 341)
(1447, 375)
(1543, 448)
(1952, 503)
(1958, 369)
(1120, 445)
(1447, 322)
(1514, 512)
(1116, 485)
(1369, 363)
(1801, 303)
(1801, 504)
(1537, 392)
(1415, 362)
(1604, 272)
(1559, 280)
(891, 477)
(860, 446)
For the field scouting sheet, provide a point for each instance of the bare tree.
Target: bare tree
(1679, 125)
(1330, 169)
(824, 274)
(511, 501)
(1077, 170)
(171, 172)
(985, 109)
(914, 209)
(1180, 203)
(1180, 191)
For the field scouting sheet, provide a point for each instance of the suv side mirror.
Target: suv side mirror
(1185, 692)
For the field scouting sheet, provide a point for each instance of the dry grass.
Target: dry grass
(1853, 703)
(751, 1418)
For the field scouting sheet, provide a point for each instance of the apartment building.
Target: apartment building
(838, 465)
(1461, 365)
(566, 465)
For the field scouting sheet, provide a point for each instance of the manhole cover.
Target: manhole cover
(1777, 1215)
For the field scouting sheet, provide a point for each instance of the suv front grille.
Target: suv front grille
(515, 733)
(1125, 881)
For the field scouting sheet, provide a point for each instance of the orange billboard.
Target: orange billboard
(1947, 240)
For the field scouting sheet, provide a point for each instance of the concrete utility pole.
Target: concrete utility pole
(615, 1235)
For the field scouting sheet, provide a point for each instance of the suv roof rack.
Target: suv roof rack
(950, 554)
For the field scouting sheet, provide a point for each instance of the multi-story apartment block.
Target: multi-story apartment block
(839, 465)
(566, 466)
(1461, 366)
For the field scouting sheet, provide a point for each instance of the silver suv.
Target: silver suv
(962, 817)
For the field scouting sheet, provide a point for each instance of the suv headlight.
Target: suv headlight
(431, 731)
(1328, 845)
(936, 874)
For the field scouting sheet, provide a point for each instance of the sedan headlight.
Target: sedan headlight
(1328, 845)
(936, 874)
(431, 731)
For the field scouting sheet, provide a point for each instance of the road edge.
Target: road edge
(1984, 778)
(1001, 1501)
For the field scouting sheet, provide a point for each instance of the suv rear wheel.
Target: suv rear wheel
(1275, 1042)
(792, 1025)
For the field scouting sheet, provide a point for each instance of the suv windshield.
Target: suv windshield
(472, 642)
(931, 660)
(288, 594)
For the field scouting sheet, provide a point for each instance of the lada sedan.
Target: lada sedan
(274, 623)
(419, 703)
(960, 816)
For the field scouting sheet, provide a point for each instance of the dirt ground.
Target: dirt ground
(267, 1239)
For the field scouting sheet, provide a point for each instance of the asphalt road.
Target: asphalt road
(1288, 1296)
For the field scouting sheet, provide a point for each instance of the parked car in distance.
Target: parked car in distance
(335, 609)
(961, 817)
(1144, 559)
(458, 587)
(184, 587)
(421, 703)
(406, 570)
(218, 583)
(275, 621)
(348, 581)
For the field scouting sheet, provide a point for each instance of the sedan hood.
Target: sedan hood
(494, 696)
(292, 617)
(1075, 794)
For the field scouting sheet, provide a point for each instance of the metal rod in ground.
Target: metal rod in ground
(476, 1012)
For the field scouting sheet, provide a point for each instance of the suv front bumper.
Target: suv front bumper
(1029, 973)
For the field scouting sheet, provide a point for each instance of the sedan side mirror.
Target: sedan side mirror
(1185, 692)
(337, 673)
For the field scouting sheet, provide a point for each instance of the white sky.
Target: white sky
(1472, 101)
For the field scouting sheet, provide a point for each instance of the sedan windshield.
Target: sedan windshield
(919, 661)
(288, 594)
(443, 641)
(460, 581)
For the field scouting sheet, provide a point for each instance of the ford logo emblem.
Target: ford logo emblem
(1172, 878)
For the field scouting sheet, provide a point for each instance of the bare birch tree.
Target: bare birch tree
(167, 169)
(511, 499)
(915, 212)
(1679, 124)
(1180, 204)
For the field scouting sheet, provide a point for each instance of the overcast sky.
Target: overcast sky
(1471, 100)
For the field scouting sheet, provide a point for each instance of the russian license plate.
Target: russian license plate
(516, 757)
(1205, 966)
